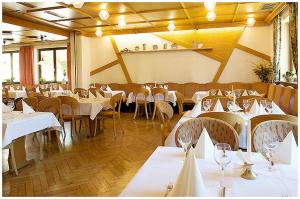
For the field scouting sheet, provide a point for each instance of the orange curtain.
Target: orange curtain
(69, 65)
(26, 61)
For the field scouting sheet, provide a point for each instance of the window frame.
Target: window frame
(11, 62)
(54, 62)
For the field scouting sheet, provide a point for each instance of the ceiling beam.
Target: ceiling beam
(139, 14)
(277, 10)
(44, 9)
(186, 12)
(235, 11)
(35, 25)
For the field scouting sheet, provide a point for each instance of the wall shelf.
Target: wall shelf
(167, 50)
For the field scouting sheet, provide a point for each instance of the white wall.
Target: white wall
(175, 66)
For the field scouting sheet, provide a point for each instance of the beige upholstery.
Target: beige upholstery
(158, 92)
(278, 94)
(141, 100)
(218, 130)
(165, 113)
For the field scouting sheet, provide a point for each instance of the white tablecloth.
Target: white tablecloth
(16, 124)
(56, 93)
(171, 98)
(199, 95)
(165, 163)
(89, 107)
(17, 94)
(109, 94)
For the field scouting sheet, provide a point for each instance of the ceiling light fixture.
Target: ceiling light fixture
(171, 26)
(209, 5)
(42, 62)
(211, 16)
(103, 14)
(99, 33)
(78, 4)
(121, 22)
(251, 21)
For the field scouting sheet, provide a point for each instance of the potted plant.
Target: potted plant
(264, 70)
(42, 80)
(10, 81)
(289, 76)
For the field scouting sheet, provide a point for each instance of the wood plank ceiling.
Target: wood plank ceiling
(139, 16)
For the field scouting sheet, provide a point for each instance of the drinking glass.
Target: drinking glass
(246, 104)
(222, 154)
(213, 92)
(269, 147)
(238, 93)
(227, 93)
(185, 139)
(11, 104)
(263, 103)
(251, 92)
(230, 105)
(269, 107)
(207, 104)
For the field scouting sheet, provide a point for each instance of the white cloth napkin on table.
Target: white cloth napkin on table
(245, 93)
(287, 151)
(60, 88)
(108, 88)
(262, 110)
(276, 109)
(37, 89)
(91, 95)
(5, 109)
(23, 88)
(235, 108)
(204, 147)
(99, 96)
(27, 108)
(148, 88)
(218, 107)
(11, 88)
(195, 111)
(189, 182)
(220, 92)
(254, 108)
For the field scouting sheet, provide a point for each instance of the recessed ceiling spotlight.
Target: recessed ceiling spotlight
(78, 4)
(209, 4)
(171, 26)
(211, 16)
(103, 14)
(99, 33)
(251, 21)
(122, 22)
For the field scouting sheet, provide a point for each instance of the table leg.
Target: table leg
(92, 126)
(41, 141)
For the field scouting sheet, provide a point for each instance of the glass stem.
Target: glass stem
(222, 176)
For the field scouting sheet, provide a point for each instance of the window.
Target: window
(10, 64)
(53, 64)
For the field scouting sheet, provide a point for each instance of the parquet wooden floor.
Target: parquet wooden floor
(97, 166)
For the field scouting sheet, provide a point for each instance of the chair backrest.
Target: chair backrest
(116, 100)
(141, 93)
(277, 95)
(159, 91)
(295, 103)
(165, 110)
(214, 99)
(235, 120)
(238, 92)
(271, 91)
(69, 101)
(218, 130)
(94, 90)
(52, 105)
(5, 94)
(264, 130)
(180, 100)
(81, 92)
(286, 98)
(251, 99)
(31, 101)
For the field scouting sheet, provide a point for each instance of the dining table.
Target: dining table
(109, 94)
(170, 97)
(14, 94)
(163, 166)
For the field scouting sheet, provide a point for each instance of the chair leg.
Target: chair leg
(95, 129)
(122, 130)
(12, 152)
(146, 110)
(49, 135)
(58, 141)
(114, 122)
(136, 109)
(154, 110)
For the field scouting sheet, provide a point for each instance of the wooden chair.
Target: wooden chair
(115, 103)
(285, 99)
(140, 100)
(165, 114)
(180, 100)
(94, 90)
(53, 105)
(5, 95)
(218, 130)
(214, 100)
(81, 92)
(45, 91)
(294, 110)
(156, 93)
(31, 101)
(271, 91)
(71, 104)
(238, 92)
(265, 127)
(278, 93)
(213, 92)
(235, 120)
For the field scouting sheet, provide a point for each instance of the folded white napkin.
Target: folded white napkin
(148, 88)
(60, 88)
(235, 107)
(27, 108)
(99, 96)
(91, 95)
(262, 110)
(165, 87)
(23, 88)
(189, 181)
(204, 148)
(51, 88)
(218, 107)
(287, 151)
(256, 93)
(276, 109)
(6, 109)
(195, 111)
(37, 89)
(254, 108)
(245, 93)
(11, 88)
(220, 92)
(108, 88)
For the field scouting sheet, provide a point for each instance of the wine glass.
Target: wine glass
(246, 104)
(251, 92)
(11, 104)
(238, 93)
(269, 148)
(185, 139)
(269, 107)
(213, 92)
(207, 104)
(263, 103)
(222, 154)
(227, 93)
(230, 105)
